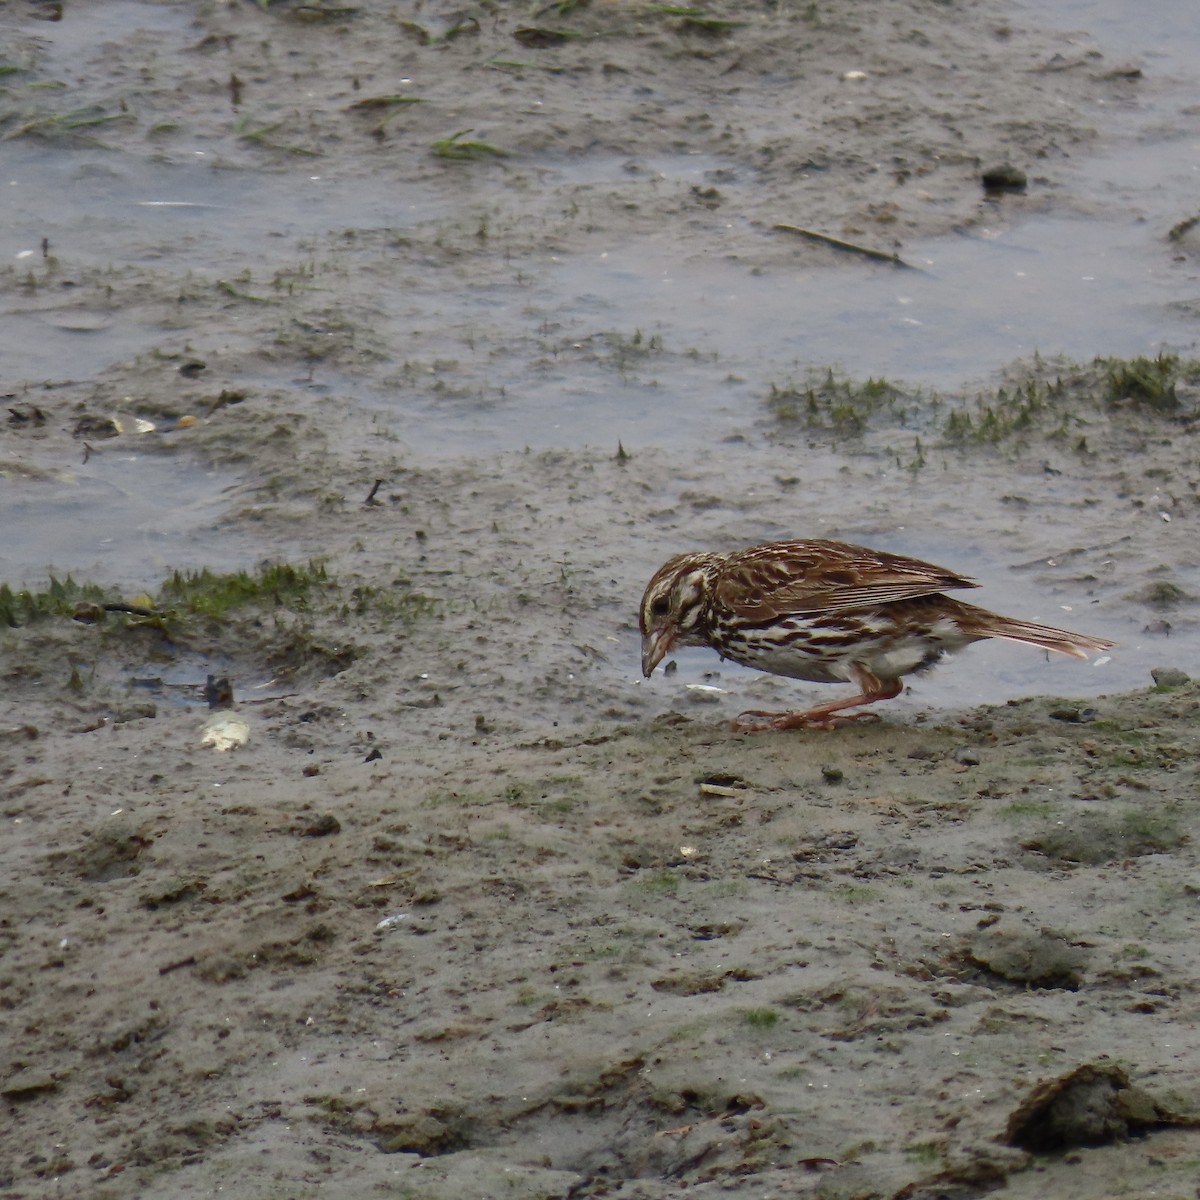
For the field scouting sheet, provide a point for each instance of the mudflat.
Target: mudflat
(468, 908)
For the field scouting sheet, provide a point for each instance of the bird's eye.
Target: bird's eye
(659, 606)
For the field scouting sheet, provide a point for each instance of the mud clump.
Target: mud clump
(1041, 960)
(1089, 1106)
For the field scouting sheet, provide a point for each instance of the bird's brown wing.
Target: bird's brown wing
(768, 581)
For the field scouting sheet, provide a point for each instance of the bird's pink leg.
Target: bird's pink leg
(825, 716)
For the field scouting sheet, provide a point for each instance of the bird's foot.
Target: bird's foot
(757, 721)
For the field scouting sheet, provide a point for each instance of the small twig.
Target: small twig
(100, 724)
(369, 103)
(190, 961)
(138, 610)
(269, 699)
(370, 501)
(682, 1129)
(848, 247)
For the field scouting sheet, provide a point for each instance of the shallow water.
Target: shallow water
(108, 519)
(1078, 286)
(99, 209)
(1101, 283)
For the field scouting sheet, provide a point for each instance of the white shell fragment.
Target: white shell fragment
(394, 920)
(225, 731)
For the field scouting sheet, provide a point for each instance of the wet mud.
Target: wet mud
(469, 908)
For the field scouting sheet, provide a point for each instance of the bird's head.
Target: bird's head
(673, 605)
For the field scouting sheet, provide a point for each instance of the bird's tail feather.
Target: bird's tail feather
(1046, 637)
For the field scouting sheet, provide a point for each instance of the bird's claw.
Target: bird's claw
(758, 721)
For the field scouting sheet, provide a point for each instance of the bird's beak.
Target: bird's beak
(655, 645)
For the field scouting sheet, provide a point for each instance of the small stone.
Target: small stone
(1073, 715)
(966, 756)
(418, 1133)
(26, 1083)
(1004, 178)
(323, 826)
(1169, 677)
(843, 840)
(135, 712)
(832, 774)
(96, 427)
